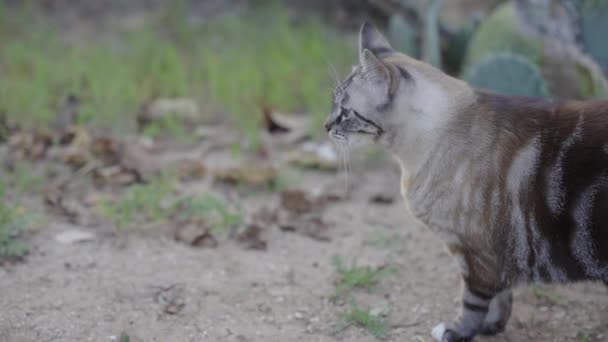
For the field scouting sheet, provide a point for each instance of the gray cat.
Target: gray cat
(517, 187)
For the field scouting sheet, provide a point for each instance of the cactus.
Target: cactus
(594, 26)
(403, 35)
(455, 52)
(508, 73)
(500, 32)
(431, 46)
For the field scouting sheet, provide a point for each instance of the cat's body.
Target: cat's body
(516, 187)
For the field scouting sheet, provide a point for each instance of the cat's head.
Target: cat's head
(362, 101)
(386, 92)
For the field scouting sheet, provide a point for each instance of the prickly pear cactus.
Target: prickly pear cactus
(402, 35)
(509, 74)
(501, 32)
(594, 28)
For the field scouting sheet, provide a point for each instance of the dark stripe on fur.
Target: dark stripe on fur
(474, 307)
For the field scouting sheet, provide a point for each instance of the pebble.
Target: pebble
(73, 236)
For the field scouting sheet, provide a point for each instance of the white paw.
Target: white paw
(438, 331)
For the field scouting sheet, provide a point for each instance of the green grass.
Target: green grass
(24, 179)
(211, 209)
(139, 203)
(353, 277)
(236, 64)
(12, 220)
(364, 319)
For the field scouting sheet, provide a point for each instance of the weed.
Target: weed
(24, 179)
(168, 126)
(363, 318)
(124, 337)
(358, 276)
(12, 221)
(210, 209)
(139, 201)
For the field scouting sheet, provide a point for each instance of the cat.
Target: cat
(517, 187)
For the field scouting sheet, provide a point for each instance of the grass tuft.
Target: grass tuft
(358, 276)
(139, 202)
(364, 319)
(12, 220)
(212, 210)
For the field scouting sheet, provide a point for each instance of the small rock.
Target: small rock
(74, 236)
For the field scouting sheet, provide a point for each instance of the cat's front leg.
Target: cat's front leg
(498, 313)
(476, 303)
(481, 313)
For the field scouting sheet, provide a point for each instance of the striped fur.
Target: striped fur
(517, 187)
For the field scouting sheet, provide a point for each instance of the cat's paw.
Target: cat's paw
(492, 328)
(443, 333)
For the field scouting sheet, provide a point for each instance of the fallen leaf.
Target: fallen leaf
(311, 225)
(271, 125)
(286, 128)
(73, 236)
(116, 175)
(195, 233)
(296, 201)
(189, 169)
(108, 150)
(251, 239)
(253, 175)
(29, 145)
(53, 198)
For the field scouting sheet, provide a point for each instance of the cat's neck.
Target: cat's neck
(422, 121)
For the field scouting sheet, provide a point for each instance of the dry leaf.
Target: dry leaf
(250, 237)
(55, 201)
(287, 128)
(296, 201)
(195, 233)
(271, 125)
(30, 145)
(189, 169)
(311, 225)
(116, 175)
(108, 150)
(249, 175)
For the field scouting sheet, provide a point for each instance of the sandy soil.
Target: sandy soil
(93, 291)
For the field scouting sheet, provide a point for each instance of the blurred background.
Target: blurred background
(165, 176)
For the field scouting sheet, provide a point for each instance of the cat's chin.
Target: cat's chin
(355, 140)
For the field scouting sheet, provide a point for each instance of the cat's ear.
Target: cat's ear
(373, 68)
(371, 39)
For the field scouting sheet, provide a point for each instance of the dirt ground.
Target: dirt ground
(93, 291)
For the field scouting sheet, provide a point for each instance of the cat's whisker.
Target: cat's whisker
(333, 73)
(343, 151)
